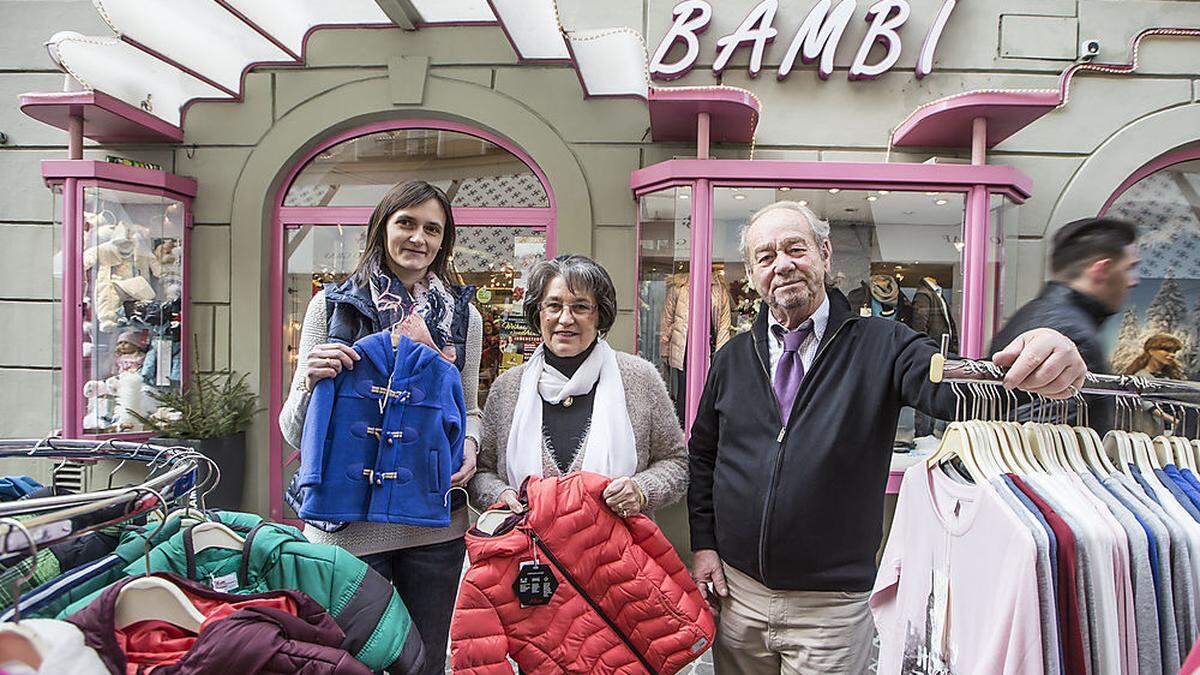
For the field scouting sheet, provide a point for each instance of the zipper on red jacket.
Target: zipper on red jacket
(783, 429)
(583, 594)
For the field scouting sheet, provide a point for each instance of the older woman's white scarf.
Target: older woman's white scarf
(609, 449)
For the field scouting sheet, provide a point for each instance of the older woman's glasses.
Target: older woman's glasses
(551, 309)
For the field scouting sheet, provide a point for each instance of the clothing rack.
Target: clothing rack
(171, 478)
(965, 371)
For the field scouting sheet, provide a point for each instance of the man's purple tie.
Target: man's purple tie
(789, 373)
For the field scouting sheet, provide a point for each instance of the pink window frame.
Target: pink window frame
(74, 176)
(284, 217)
(1155, 165)
(976, 182)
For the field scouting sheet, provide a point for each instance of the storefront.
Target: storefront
(939, 142)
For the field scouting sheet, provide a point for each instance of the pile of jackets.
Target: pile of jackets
(622, 601)
(334, 601)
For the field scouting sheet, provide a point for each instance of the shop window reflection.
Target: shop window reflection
(1157, 331)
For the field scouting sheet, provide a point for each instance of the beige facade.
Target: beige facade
(240, 152)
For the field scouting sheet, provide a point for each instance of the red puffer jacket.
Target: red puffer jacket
(624, 602)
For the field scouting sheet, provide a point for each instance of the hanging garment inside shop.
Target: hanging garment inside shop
(381, 440)
(567, 586)
(1084, 550)
(930, 313)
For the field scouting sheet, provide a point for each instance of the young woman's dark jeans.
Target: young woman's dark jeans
(426, 577)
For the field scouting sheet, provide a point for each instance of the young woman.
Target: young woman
(404, 268)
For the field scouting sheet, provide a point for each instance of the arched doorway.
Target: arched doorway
(504, 209)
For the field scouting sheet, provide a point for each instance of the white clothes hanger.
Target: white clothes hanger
(156, 599)
(492, 519)
(211, 534)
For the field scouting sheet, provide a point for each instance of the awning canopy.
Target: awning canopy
(163, 56)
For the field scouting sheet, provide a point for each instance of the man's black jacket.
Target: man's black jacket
(1078, 316)
(801, 507)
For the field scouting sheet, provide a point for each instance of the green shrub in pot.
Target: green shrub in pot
(210, 414)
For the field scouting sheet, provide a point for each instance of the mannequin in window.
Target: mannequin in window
(880, 296)
(931, 314)
(673, 327)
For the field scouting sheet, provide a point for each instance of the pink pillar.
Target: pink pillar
(979, 141)
(275, 385)
(699, 297)
(975, 256)
(75, 137)
(72, 309)
(703, 123)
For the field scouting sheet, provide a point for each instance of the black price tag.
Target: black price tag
(535, 584)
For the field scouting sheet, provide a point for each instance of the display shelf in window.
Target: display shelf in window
(124, 268)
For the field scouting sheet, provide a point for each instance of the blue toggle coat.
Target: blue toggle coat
(382, 440)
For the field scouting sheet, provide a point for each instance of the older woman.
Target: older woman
(578, 404)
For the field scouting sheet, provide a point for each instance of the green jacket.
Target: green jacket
(379, 631)
(73, 584)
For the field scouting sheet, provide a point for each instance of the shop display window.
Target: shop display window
(1003, 282)
(1156, 332)
(897, 255)
(664, 252)
(132, 306)
(120, 277)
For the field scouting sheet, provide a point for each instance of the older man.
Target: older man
(790, 451)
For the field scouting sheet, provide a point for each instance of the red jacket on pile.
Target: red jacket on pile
(624, 602)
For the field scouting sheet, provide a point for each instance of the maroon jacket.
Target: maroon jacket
(251, 640)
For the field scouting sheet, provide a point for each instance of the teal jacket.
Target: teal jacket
(379, 631)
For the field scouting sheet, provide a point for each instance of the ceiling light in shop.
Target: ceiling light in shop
(683, 195)
(960, 246)
(803, 202)
(739, 196)
(834, 191)
(940, 202)
(872, 198)
(930, 194)
(883, 192)
(784, 189)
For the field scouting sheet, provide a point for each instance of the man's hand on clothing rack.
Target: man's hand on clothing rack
(1042, 361)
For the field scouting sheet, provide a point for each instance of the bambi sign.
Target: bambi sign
(816, 40)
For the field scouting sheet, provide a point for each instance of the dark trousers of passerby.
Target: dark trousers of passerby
(426, 578)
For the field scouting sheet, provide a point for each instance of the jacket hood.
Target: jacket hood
(411, 358)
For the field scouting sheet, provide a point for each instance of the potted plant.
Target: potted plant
(211, 414)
